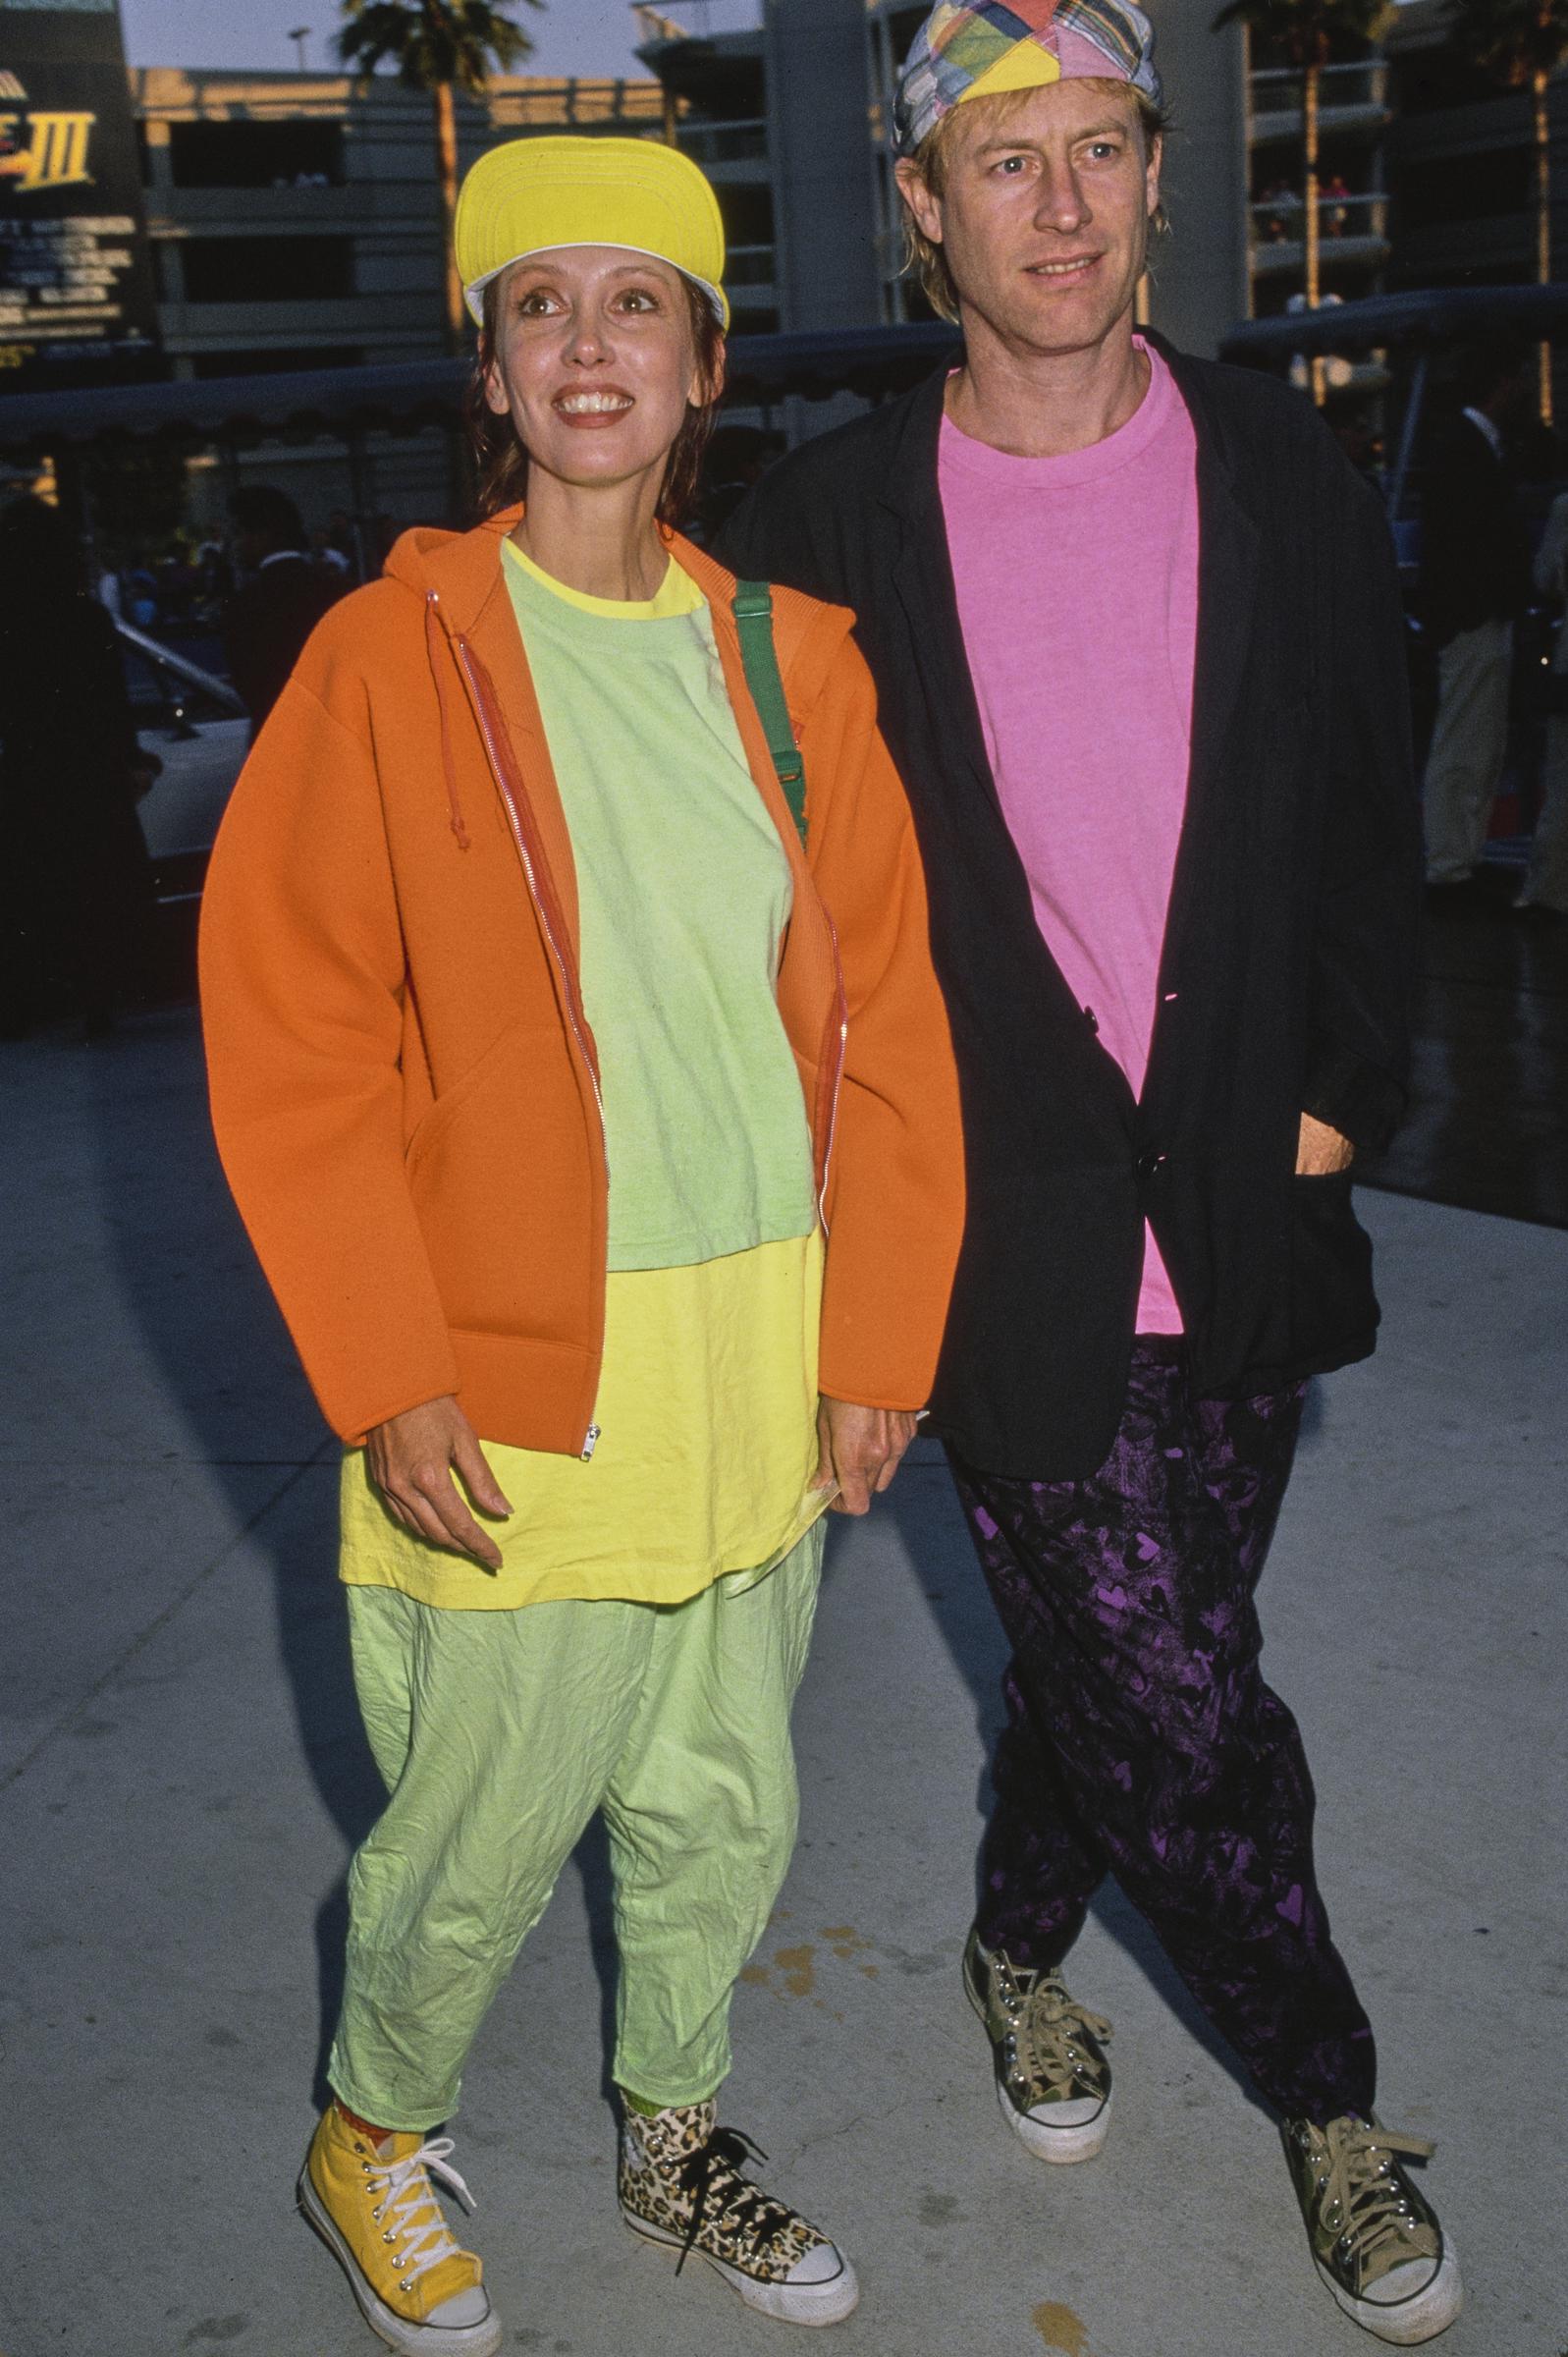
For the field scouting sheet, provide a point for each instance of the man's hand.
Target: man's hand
(861, 1448)
(1322, 1151)
(413, 1458)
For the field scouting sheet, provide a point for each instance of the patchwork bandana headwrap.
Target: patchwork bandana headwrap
(975, 48)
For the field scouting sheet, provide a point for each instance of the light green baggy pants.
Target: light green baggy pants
(497, 1735)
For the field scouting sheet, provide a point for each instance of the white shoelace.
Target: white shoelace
(407, 2199)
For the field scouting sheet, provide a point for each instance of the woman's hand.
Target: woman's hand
(413, 1458)
(861, 1449)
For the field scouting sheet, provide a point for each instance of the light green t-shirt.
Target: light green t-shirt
(684, 893)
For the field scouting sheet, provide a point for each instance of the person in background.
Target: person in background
(1474, 585)
(215, 582)
(1334, 201)
(1137, 640)
(1280, 200)
(345, 535)
(108, 591)
(1359, 436)
(328, 557)
(1544, 895)
(283, 596)
(139, 600)
(592, 1108)
(75, 888)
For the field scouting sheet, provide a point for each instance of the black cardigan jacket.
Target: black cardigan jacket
(1285, 977)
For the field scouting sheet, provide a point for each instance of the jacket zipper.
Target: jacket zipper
(460, 645)
(594, 1434)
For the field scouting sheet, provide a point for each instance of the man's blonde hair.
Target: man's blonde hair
(932, 160)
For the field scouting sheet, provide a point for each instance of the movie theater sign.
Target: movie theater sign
(76, 296)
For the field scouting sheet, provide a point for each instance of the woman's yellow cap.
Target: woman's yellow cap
(534, 195)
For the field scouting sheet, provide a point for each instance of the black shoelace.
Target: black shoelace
(754, 2215)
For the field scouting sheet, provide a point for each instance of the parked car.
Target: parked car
(198, 728)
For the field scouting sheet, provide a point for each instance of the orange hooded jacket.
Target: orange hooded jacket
(403, 1082)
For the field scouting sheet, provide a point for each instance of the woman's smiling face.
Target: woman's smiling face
(595, 362)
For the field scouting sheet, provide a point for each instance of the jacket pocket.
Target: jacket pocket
(500, 1172)
(1333, 1304)
(449, 1106)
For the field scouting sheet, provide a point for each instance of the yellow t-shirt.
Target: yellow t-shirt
(708, 1398)
(707, 1410)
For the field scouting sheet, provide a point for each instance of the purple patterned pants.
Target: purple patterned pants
(1142, 1741)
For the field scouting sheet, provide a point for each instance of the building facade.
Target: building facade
(294, 222)
(777, 117)
(1461, 163)
(294, 216)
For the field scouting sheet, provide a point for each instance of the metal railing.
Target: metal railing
(737, 143)
(1279, 220)
(654, 25)
(180, 667)
(697, 19)
(1364, 81)
(750, 266)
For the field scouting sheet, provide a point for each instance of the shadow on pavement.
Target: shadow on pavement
(223, 1363)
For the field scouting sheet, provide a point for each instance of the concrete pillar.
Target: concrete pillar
(160, 162)
(819, 99)
(1201, 278)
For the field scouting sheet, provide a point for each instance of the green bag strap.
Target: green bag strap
(754, 622)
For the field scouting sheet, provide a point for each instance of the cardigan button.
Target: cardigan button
(1150, 1165)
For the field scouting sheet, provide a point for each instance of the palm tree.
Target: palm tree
(441, 46)
(1308, 32)
(1523, 43)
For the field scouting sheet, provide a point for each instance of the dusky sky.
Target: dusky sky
(570, 36)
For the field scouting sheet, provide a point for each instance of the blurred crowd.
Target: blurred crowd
(184, 586)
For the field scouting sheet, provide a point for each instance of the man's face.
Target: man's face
(1045, 212)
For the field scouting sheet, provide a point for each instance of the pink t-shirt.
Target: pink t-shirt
(1077, 582)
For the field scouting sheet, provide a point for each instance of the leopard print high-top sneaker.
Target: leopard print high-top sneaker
(682, 2185)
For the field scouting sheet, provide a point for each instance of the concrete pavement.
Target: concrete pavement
(181, 1779)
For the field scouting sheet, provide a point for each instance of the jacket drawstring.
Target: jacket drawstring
(440, 662)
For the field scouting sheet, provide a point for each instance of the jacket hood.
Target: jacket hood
(416, 552)
(462, 568)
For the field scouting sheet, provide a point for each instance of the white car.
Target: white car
(198, 728)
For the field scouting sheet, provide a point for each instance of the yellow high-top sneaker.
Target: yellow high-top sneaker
(376, 2210)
